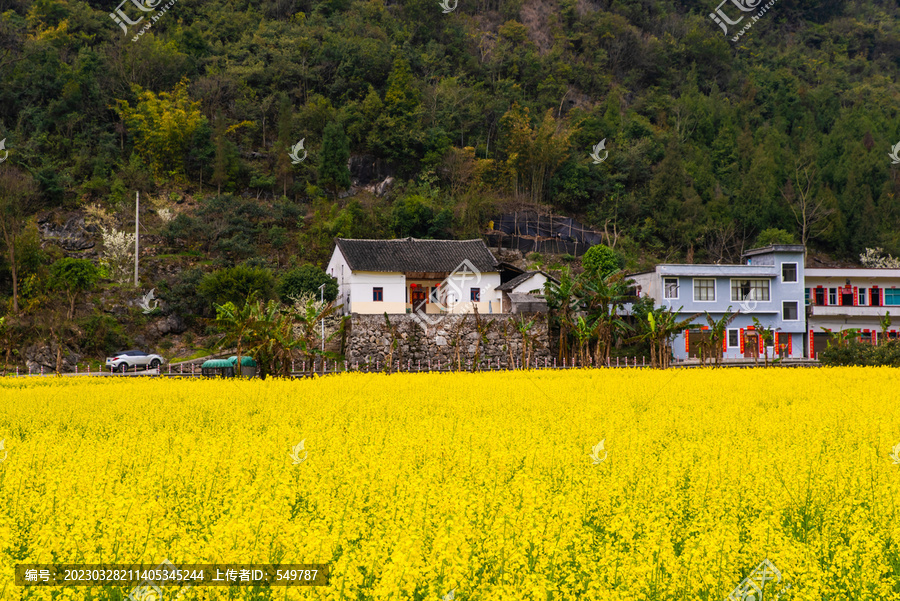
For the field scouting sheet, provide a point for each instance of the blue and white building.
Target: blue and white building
(768, 285)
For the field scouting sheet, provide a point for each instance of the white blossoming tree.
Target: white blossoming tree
(874, 258)
(118, 253)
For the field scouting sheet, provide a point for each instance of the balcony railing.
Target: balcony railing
(826, 310)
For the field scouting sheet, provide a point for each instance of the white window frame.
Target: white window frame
(796, 306)
(757, 300)
(694, 291)
(796, 274)
(862, 298)
(737, 333)
(832, 297)
(677, 289)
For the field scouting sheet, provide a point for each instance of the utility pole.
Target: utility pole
(322, 289)
(137, 233)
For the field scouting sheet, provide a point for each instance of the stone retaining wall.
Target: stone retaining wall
(370, 336)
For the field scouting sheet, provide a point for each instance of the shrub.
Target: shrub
(773, 235)
(306, 279)
(183, 297)
(601, 260)
(235, 284)
(102, 335)
(862, 354)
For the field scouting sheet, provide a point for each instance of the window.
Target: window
(704, 290)
(862, 296)
(891, 296)
(832, 296)
(806, 296)
(742, 290)
(378, 294)
(820, 296)
(733, 338)
(789, 311)
(788, 272)
(670, 286)
(475, 295)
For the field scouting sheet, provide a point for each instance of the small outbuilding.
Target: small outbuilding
(222, 368)
(523, 293)
(226, 368)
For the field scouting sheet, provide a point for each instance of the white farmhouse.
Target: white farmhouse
(406, 275)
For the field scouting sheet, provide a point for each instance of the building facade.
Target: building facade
(427, 277)
(769, 285)
(842, 299)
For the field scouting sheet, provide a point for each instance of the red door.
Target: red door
(418, 299)
(751, 344)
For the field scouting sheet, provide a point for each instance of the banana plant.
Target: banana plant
(236, 325)
(661, 325)
(563, 301)
(717, 331)
(582, 336)
(602, 298)
(768, 337)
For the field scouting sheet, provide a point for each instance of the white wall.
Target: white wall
(460, 288)
(361, 283)
(338, 268)
(535, 282)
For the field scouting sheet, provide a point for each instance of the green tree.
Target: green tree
(73, 276)
(774, 235)
(306, 279)
(334, 174)
(600, 261)
(18, 198)
(283, 165)
(163, 127)
(534, 154)
(235, 284)
(397, 133)
(412, 216)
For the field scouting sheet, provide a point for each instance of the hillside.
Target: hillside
(446, 119)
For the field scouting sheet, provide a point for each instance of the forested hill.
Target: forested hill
(492, 104)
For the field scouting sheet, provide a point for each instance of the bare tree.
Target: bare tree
(18, 198)
(811, 213)
(723, 242)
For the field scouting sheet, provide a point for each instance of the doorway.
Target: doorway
(419, 299)
(751, 345)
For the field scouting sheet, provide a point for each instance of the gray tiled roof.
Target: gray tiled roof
(521, 278)
(412, 254)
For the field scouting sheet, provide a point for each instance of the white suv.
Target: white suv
(125, 360)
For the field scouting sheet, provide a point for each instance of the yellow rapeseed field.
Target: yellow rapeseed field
(470, 486)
